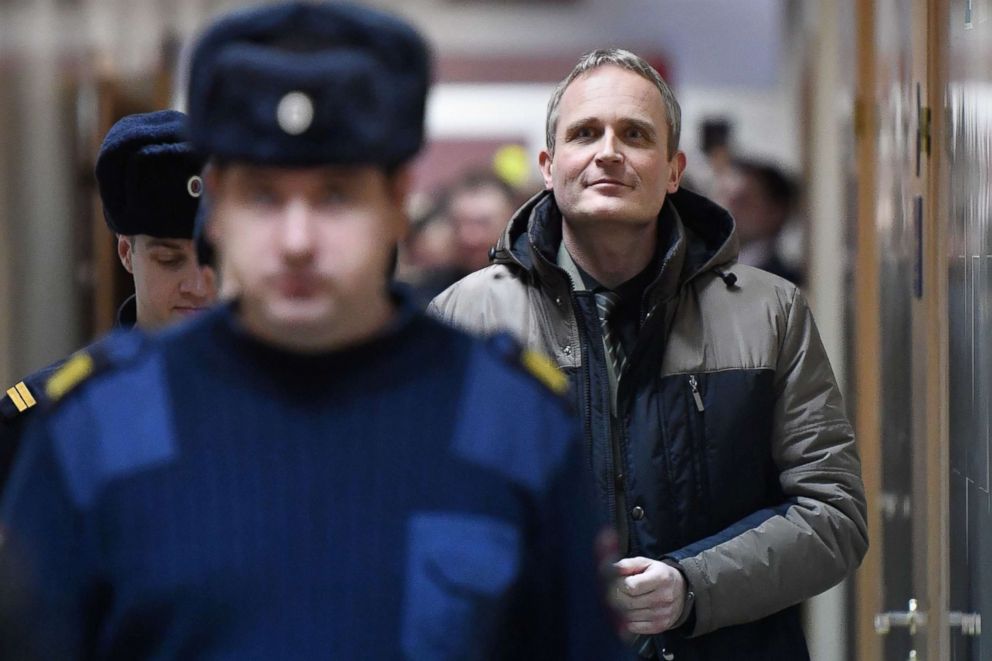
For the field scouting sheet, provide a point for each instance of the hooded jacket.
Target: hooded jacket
(731, 453)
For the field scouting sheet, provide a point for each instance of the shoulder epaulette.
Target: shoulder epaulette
(17, 399)
(26, 395)
(116, 349)
(533, 362)
(544, 370)
(73, 372)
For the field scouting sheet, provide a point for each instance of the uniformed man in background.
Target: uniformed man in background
(316, 469)
(149, 180)
(150, 185)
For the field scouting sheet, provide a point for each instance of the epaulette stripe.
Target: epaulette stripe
(77, 368)
(544, 370)
(25, 394)
(16, 398)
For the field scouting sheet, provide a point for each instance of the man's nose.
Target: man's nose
(297, 233)
(609, 148)
(199, 282)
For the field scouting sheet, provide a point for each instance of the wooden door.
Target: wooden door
(902, 348)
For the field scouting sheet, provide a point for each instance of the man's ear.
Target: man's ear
(399, 184)
(125, 250)
(545, 161)
(211, 183)
(211, 228)
(211, 178)
(675, 176)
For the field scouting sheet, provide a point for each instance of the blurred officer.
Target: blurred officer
(314, 470)
(716, 431)
(150, 185)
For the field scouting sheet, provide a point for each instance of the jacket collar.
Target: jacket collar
(705, 239)
(127, 313)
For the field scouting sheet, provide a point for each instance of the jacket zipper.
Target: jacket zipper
(694, 387)
(587, 423)
(698, 451)
(611, 495)
(587, 383)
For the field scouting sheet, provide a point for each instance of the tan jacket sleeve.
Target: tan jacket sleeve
(782, 555)
(484, 302)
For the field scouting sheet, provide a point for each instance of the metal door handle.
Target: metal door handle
(910, 619)
(970, 623)
(913, 618)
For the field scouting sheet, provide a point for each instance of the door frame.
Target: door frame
(937, 337)
(867, 332)
(931, 489)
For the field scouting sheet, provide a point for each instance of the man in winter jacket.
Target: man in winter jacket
(715, 429)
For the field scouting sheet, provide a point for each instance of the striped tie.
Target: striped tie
(606, 302)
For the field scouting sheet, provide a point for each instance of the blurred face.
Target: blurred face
(169, 284)
(310, 248)
(756, 215)
(611, 153)
(432, 247)
(479, 217)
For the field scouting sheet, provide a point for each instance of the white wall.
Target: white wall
(766, 121)
(715, 42)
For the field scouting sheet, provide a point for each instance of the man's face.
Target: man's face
(169, 284)
(310, 248)
(479, 216)
(611, 159)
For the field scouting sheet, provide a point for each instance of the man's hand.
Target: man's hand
(649, 594)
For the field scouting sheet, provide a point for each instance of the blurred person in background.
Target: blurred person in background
(763, 199)
(715, 429)
(149, 181)
(426, 256)
(315, 469)
(478, 206)
(456, 236)
(430, 245)
(713, 176)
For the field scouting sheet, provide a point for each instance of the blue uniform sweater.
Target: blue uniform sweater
(15, 408)
(418, 496)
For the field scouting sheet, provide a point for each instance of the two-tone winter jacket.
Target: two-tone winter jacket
(734, 456)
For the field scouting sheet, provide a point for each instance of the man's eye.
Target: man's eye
(171, 262)
(262, 196)
(336, 196)
(580, 134)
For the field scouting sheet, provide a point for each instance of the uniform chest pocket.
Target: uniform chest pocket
(459, 570)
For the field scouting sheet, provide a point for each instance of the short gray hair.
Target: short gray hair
(625, 60)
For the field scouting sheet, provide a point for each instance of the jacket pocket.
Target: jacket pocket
(459, 569)
(696, 414)
(735, 429)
